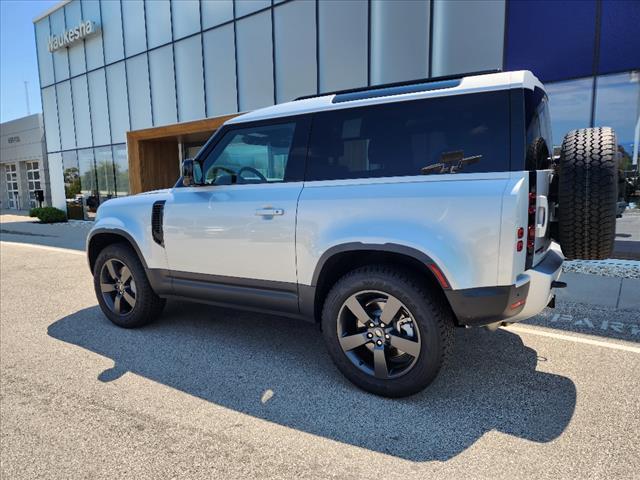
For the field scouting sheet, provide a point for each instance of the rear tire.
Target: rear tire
(588, 193)
(122, 288)
(417, 321)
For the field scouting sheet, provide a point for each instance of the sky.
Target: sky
(18, 61)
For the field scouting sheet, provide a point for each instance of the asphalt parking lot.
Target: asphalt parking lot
(214, 393)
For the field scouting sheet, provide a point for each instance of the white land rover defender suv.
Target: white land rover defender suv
(389, 215)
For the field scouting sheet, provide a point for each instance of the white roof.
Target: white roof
(471, 84)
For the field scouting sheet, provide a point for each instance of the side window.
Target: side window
(539, 142)
(403, 138)
(251, 155)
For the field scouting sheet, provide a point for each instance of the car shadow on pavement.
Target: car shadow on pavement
(277, 369)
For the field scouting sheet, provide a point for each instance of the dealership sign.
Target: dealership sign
(69, 37)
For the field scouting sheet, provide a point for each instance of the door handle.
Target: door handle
(269, 212)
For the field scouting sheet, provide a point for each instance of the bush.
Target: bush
(34, 211)
(51, 215)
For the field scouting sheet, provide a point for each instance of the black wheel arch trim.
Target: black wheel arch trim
(414, 253)
(115, 231)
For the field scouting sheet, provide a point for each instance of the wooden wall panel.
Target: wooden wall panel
(153, 152)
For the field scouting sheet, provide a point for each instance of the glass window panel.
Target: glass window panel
(71, 174)
(295, 60)
(265, 149)
(104, 173)
(88, 185)
(73, 16)
(567, 38)
(93, 43)
(468, 36)
(45, 59)
(189, 79)
(163, 88)
(185, 17)
(255, 66)
(65, 116)
(60, 56)
(112, 31)
(50, 113)
(81, 115)
(158, 22)
(139, 93)
(99, 107)
(619, 38)
(135, 40)
(220, 71)
(402, 138)
(118, 108)
(569, 105)
(245, 7)
(343, 44)
(618, 106)
(399, 40)
(71, 181)
(121, 167)
(215, 12)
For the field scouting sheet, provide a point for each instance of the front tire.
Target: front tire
(385, 331)
(122, 288)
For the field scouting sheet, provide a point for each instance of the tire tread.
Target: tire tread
(588, 191)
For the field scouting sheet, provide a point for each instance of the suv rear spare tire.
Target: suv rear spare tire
(588, 192)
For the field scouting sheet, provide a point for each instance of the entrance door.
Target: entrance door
(13, 194)
(236, 232)
(33, 180)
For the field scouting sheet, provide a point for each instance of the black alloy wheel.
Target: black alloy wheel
(378, 334)
(122, 288)
(118, 287)
(387, 329)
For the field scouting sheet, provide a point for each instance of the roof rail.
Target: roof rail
(402, 84)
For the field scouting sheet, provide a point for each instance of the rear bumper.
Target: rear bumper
(526, 298)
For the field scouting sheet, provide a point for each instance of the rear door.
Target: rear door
(538, 162)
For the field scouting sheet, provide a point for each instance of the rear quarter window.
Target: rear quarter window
(402, 138)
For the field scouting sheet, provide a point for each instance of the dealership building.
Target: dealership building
(131, 87)
(23, 164)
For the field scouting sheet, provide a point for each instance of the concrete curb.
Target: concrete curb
(611, 292)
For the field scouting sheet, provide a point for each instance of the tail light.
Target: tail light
(531, 229)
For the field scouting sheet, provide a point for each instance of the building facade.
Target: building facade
(23, 163)
(111, 68)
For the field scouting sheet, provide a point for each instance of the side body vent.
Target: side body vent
(157, 214)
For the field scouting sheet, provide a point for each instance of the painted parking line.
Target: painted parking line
(43, 247)
(573, 338)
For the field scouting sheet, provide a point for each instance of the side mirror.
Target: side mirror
(187, 172)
